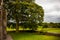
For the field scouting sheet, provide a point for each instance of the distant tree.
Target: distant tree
(45, 25)
(57, 25)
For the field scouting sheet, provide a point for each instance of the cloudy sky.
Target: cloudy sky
(52, 10)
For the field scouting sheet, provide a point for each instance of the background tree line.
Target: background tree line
(51, 25)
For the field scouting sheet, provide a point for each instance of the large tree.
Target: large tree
(25, 12)
(32, 15)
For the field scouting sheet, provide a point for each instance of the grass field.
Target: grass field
(55, 30)
(32, 36)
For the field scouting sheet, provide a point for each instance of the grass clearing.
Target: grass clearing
(31, 36)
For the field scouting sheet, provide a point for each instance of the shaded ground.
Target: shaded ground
(40, 32)
(52, 34)
(26, 35)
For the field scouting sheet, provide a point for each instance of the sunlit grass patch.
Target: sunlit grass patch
(54, 30)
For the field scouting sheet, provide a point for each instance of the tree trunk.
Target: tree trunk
(17, 25)
(2, 22)
(1, 35)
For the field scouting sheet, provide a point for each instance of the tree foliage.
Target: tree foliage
(28, 14)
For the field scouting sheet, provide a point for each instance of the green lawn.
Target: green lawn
(54, 30)
(31, 36)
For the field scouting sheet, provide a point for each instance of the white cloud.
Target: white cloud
(53, 13)
(52, 9)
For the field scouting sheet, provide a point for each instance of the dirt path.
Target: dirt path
(9, 37)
